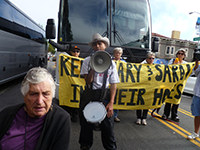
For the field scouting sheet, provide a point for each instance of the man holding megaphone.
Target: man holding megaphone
(99, 71)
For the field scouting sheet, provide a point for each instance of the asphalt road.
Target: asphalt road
(157, 135)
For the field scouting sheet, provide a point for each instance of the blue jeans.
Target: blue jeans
(195, 106)
(115, 112)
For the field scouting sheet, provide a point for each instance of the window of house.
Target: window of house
(167, 50)
(186, 50)
(172, 50)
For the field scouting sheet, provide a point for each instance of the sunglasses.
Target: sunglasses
(118, 53)
(151, 58)
(180, 53)
(76, 51)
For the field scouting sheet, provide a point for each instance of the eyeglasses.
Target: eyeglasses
(76, 51)
(180, 53)
(151, 58)
(118, 53)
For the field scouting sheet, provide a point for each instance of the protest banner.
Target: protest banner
(142, 86)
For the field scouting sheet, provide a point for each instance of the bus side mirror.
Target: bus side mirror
(50, 29)
(155, 44)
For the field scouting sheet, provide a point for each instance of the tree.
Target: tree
(51, 49)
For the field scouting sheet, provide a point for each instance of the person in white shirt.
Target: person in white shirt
(94, 81)
(195, 105)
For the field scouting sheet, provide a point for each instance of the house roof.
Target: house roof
(161, 36)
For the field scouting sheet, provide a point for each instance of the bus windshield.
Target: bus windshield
(125, 22)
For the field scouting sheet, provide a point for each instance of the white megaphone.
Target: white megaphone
(100, 61)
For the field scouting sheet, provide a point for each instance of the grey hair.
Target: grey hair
(35, 76)
(150, 54)
(118, 49)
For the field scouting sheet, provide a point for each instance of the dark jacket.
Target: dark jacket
(55, 134)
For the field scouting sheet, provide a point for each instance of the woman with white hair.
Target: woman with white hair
(37, 121)
(117, 52)
(180, 56)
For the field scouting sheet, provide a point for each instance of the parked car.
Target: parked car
(190, 84)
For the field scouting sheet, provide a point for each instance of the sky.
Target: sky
(167, 15)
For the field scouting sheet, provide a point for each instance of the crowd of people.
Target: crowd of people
(39, 121)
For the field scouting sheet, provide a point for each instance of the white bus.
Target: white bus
(126, 23)
(22, 43)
